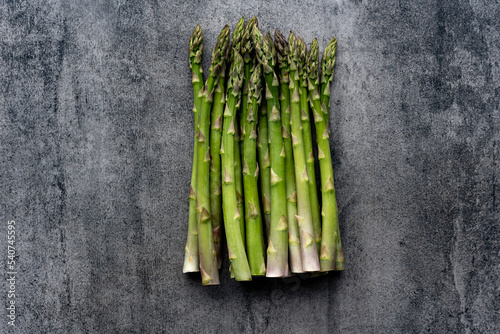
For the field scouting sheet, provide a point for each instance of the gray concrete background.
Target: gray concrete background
(96, 149)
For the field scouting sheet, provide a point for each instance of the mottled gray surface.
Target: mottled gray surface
(96, 147)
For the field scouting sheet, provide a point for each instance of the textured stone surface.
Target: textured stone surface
(96, 147)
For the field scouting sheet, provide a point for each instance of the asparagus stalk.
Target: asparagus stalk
(262, 134)
(330, 237)
(232, 216)
(191, 261)
(310, 261)
(265, 166)
(236, 47)
(215, 142)
(215, 172)
(277, 251)
(294, 253)
(207, 254)
(327, 71)
(308, 143)
(246, 48)
(253, 217)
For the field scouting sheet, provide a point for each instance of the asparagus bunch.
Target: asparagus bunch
(268, 183)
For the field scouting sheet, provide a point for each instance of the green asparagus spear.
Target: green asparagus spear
(310, 261)
(253, 217)
(207, 254)
(215, 142)
(191, 261)
(239, 177)
(245, 48)
(294, 253)
(330, 237)
(277, 251)
(215, 173)
(339, 258)
(238, 34)
(327, 71)
(308, 142)
(236, 47)
(232, 216)
(265, 166)
(262, 133)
